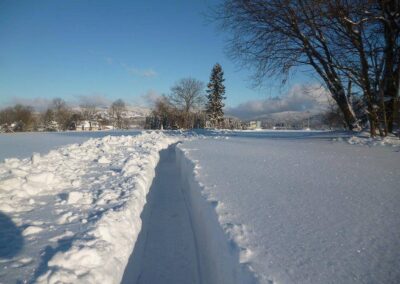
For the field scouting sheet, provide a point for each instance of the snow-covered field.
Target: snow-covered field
(224, 207)
(22, 145)
(300, 209)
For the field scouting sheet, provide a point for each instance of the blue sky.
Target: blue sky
(116, 49)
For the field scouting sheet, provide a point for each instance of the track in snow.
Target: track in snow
(165, 251)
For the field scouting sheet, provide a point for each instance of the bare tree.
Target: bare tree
(332, 116)
(390, 83)
(188, 94)
(58, 104)
(20, 116)
(116, 111)
(62, 113)
(166, 115)
(343, 41)
(277, 36)
(7, 116)
(88, 110)
(47, 117)
(24, 117)
(366, 47)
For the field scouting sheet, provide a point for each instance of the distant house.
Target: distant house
(254, 124)
(88, 125)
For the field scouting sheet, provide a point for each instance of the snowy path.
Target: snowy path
(165, 251)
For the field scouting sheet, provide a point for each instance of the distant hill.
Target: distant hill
(285, 116)
(131, 111)
(291, 119)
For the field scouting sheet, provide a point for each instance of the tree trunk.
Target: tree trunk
(347, 110)
(391, 90)
(391, 70)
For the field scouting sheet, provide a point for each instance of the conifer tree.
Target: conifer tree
(216, 93)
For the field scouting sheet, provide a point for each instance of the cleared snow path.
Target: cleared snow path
(165, 251)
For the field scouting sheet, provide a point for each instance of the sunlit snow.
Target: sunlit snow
(224, 207)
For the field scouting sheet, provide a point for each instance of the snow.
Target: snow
(73, 215)
(218, 256)
(22, 145)
(296, 209)
(223, 207)
(30, 230)
(363, 139)
(166, 250)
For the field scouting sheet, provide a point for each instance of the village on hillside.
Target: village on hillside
(60, 117)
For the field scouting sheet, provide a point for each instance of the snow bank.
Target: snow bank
(378, 141)
(85, 199)
(222, 259)
(23, 144)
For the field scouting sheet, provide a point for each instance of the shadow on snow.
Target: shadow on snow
(11, 239)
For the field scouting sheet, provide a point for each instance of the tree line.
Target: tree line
(60, 116)
(189, 106)
(353, 48)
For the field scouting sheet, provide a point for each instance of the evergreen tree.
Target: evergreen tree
(216, 93)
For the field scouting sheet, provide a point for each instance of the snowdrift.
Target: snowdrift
(221, 259)
(78, 208)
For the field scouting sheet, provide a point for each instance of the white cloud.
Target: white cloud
(149, 73)
(138, 72)
(299, 98)
(41, 104)
(132, 70)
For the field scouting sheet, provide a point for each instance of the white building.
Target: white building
(86, 125)
(254, 124)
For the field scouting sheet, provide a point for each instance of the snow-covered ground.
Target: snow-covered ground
(224, 207)
(22, 145)
(73, 215)
(300, 208)
(166, 250)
